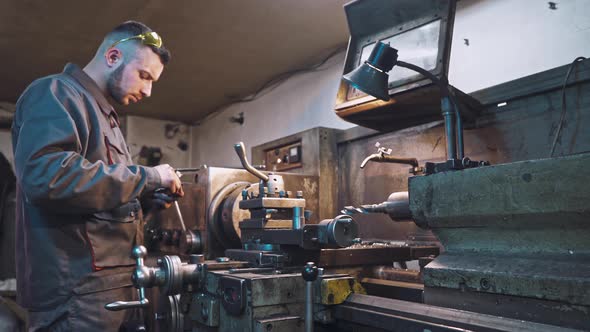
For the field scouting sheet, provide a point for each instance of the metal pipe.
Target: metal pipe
(460, 147)
(380, 157)
(450, 129)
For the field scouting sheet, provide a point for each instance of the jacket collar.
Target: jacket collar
(88, 83)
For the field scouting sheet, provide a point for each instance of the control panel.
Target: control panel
(284, 157)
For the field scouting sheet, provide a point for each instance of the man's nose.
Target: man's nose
(146, 91)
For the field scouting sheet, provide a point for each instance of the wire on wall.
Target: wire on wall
(563, 104)
(271, 84)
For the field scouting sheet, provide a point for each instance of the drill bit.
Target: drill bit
(350, 210)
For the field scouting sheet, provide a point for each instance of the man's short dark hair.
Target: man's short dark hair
(134, 28)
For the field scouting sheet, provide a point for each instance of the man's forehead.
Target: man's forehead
(149, 61)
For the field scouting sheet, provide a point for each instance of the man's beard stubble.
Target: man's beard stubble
(114, 85)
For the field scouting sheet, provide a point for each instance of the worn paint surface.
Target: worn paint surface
(337, 290)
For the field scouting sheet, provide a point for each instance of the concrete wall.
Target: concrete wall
(507, 39)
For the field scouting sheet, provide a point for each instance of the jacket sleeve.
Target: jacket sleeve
(49, 123)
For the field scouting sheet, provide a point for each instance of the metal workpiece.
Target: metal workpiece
(397, 207)
(340, 232)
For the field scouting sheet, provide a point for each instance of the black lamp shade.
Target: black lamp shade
(371, 77)
(369, 80)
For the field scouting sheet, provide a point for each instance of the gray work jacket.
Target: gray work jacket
(78, 213)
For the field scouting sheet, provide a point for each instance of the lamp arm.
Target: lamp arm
(445, 92)
(443, 88)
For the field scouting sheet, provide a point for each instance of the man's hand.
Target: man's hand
(170, 180)
(159, 201)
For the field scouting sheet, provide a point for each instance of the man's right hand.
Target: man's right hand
(169, 179)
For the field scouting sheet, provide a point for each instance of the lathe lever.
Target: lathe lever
(241, 151)
(122, 305)
(139, 253)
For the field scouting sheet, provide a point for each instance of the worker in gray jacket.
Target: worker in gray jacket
(78, 192)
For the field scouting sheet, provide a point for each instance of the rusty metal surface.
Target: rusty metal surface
(366, 255)
(396, 315)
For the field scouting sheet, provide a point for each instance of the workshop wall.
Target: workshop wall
(304, 101)
(493, 42)
(146, 137)
(171, 138)
(496, 41)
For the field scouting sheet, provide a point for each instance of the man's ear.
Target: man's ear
(113, 56)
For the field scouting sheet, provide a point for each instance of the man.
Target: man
(78, 210)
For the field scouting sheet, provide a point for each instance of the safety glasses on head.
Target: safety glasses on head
(148, 38)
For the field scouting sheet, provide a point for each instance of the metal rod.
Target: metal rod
(179, 216)
(460, 147)
(309, 306)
